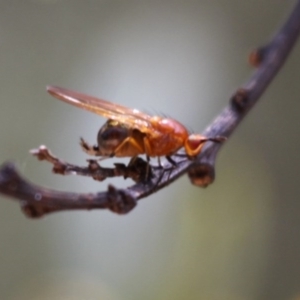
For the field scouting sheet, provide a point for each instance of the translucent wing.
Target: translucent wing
(132, 117)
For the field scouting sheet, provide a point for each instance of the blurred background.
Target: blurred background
(239, 239)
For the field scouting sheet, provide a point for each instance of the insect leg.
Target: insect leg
(128, 143)
(171, 161)
(135, 148)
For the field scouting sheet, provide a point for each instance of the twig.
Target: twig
(135, 170)
(37, 201)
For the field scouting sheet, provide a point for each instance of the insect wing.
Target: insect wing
(132, 117)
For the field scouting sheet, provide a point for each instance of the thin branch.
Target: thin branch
(135, 170)
(37, 201)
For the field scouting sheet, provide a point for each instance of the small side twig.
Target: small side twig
(135, 170)
(37, 201)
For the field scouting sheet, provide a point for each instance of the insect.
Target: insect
(129, 132)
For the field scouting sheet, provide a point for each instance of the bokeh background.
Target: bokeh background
(239, 239)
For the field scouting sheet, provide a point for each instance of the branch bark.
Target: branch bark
(37, 201)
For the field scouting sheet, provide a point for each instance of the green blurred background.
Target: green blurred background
(239, 239)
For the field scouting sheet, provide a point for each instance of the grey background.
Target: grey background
(237, 239)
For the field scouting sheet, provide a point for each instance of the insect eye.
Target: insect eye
(112, 130)
(112, 133)
(111, 136)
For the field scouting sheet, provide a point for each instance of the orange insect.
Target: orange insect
(129, 132)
